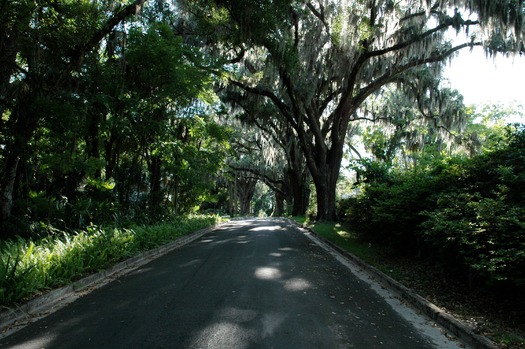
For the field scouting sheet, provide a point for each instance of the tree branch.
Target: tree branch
(319, 14)
(391, 74)
(78, 52)
(283, 108)
(417, 38)
(272, 183)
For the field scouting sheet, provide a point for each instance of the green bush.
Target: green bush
(387, 210)
(486, 236)
(465, 214)
(28, 267)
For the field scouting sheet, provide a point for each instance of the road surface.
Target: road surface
(248, 284)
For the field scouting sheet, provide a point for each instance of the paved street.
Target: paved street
(248, 284)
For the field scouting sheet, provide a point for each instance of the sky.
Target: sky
(481, 79)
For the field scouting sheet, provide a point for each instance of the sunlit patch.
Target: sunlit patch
(273, 227)
(297, 284)
(286, 249)
(222, 335)
(344, 234)
(275, 254)
(267, 273)
(41, 342)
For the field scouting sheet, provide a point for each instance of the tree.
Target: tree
(43, 47)
(323, 59)
(102, 117)
(284, 159)
(401, 123)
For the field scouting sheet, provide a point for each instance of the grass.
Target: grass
(29, 267)
(349, 241)
(499, 319)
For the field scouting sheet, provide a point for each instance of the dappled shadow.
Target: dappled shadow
(250, 284)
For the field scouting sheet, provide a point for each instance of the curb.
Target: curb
(13, 319)
(458, 328)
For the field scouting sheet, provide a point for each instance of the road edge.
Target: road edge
(457, 327)
(15, 318)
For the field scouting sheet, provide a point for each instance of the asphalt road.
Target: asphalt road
(248, 284)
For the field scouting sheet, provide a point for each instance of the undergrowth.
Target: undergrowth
(29, 267)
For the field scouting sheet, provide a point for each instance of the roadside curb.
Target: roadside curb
(456, 327)
(12, 319)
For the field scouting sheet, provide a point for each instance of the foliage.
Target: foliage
(387, 210)
(107, 116)
(466, 214)
(317, 63)
(31, 266)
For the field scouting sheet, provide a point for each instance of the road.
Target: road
(248, 284)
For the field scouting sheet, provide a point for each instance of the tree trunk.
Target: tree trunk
(24, 123)
(297, 177)
(246, 189)
(7, 185)
(93, 135)
(300, 191)
(325, 186)
(155, 194)
(112, 156)
(324, 165)
(232, 198)
(278, 208)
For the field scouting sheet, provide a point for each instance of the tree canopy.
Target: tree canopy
(106, 113)
(120, 105)
(317, 62)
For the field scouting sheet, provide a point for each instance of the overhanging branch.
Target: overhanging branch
(392, 74)
(272, 183)
(283, 108)
(417, 38)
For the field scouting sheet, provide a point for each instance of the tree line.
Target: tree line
(106, 113)
(118, 110)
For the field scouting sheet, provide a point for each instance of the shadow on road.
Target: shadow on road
(256, 283)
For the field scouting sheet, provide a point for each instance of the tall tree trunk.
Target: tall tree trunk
(7, 184)
(9, 42)
(232, 198)
(299, 190)
(155, 194)
(326, 185)
(24, 119)
(93, 135)
(111, 149)
(246, 189)
(278, 208)
(324, 164)
(297, 177)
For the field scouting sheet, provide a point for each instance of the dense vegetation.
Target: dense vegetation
(106, 116)
(32, 266)
(464, 214)
(120, 119)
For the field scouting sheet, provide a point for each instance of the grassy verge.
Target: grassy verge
(499, 319)
(30, 267)
(346, 239)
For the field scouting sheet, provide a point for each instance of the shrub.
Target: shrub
(465, 214)
(28, 267)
